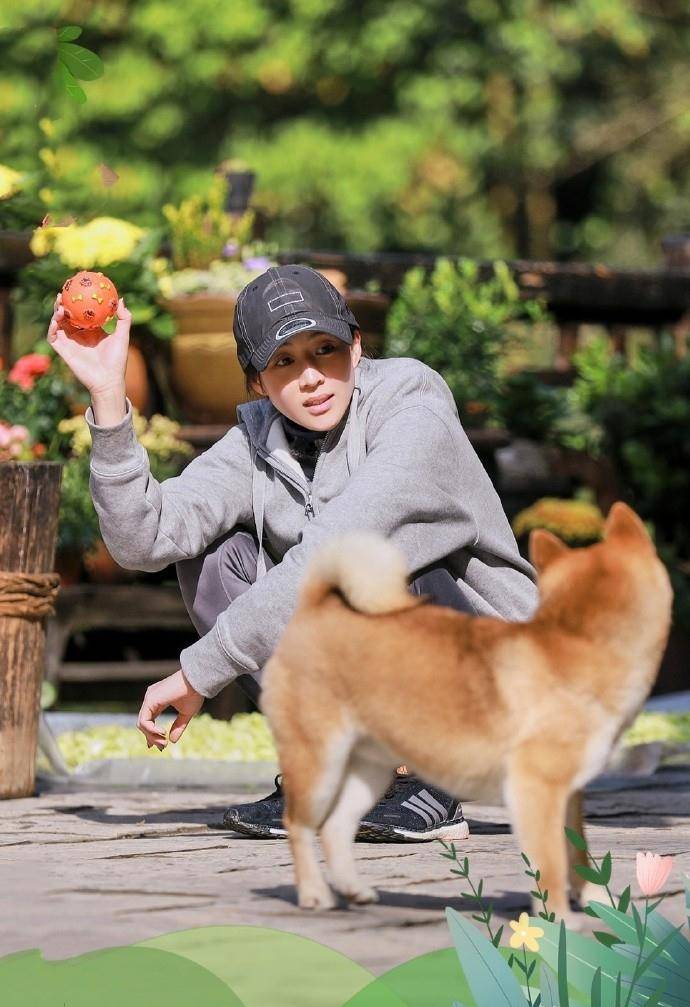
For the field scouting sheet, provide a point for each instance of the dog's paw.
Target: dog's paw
(316, 897)
(586, 893)
(362, 896)
(573, 921)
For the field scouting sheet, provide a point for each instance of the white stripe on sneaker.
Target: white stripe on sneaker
(423, 812)
(420, 803)
(430, 799)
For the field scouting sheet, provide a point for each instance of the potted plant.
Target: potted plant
(635, 416)
(36, 394)
(211, 260)
(462, 327)
(79, 527)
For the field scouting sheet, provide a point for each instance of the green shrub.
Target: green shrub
(461, 327)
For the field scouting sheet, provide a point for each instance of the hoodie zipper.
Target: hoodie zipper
(307, 494)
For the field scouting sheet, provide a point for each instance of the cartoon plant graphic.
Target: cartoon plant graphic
(75, 62)
(642, 960)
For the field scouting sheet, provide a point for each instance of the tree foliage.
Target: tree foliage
(488, 128)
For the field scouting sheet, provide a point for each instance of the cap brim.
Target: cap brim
(333, 326)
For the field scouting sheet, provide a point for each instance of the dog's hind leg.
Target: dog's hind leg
(312, 772)
(363, 784)
(581, 889)
(537, 806)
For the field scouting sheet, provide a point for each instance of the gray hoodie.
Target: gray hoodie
(398, 462)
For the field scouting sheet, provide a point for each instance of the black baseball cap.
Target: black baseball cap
(280, 303)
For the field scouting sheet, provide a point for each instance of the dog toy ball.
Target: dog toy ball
(89, 300)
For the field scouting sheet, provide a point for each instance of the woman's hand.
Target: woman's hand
(174, 691)
(96, 359)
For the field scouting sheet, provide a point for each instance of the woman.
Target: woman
(337, 441)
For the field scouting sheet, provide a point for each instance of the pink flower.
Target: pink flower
(652, 872)
(27, 368)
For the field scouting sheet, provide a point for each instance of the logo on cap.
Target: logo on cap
(294, 325)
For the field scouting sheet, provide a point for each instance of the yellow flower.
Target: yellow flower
(9, 181)
(46, 195)
(159, 265)
(99, 243)
(81, 435)
(46, 126)
(48, 156)
(572, 520)
(525, 935)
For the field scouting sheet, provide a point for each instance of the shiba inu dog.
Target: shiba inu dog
(368, 676)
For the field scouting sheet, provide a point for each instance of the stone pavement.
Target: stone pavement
(81, 870)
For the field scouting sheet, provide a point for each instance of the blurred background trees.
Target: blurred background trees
(488, 128)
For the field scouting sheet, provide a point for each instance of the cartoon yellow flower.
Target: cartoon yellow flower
(525, 935)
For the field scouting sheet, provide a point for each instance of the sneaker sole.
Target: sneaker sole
(451, 833)
(257, 831)
(454, 832)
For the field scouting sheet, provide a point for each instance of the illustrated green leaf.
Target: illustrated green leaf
(576, 839)
(589, 874)
(624, 900)
(673, 962)
(605, 870)
(655, 998)
(605, 938)
(584, 957)
(562, 967)
(679, 948)
(548, 986)
(648, 984)
(595, 994)
(639, 926)
(81, 62)
(485, 969)
(670, 984)
(68, 33)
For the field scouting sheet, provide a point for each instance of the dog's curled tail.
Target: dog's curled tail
(369, 572)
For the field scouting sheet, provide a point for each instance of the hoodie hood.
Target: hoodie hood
(269, 446)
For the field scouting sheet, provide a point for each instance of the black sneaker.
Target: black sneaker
(413, 812)
(263, 818)
(409, 811)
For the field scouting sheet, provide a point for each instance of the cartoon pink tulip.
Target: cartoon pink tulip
(652, 872)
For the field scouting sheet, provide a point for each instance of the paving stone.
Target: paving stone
(103, 868)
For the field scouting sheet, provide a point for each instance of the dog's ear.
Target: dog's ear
(544, 548)
(622, 522)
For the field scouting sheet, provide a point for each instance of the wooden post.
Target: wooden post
(567, 345)
(29, 506)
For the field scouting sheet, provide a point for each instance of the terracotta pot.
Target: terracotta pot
(68, 563)
(371, 311)
(101, 568)
(337, 277)
(137, 387)
(205, 372)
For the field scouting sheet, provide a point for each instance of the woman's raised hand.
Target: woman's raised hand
(95, 358)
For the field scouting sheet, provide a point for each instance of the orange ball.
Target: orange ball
(89, 300)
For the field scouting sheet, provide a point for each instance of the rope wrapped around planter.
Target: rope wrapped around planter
(28, 595)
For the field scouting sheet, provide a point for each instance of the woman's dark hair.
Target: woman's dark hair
(251, 373)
